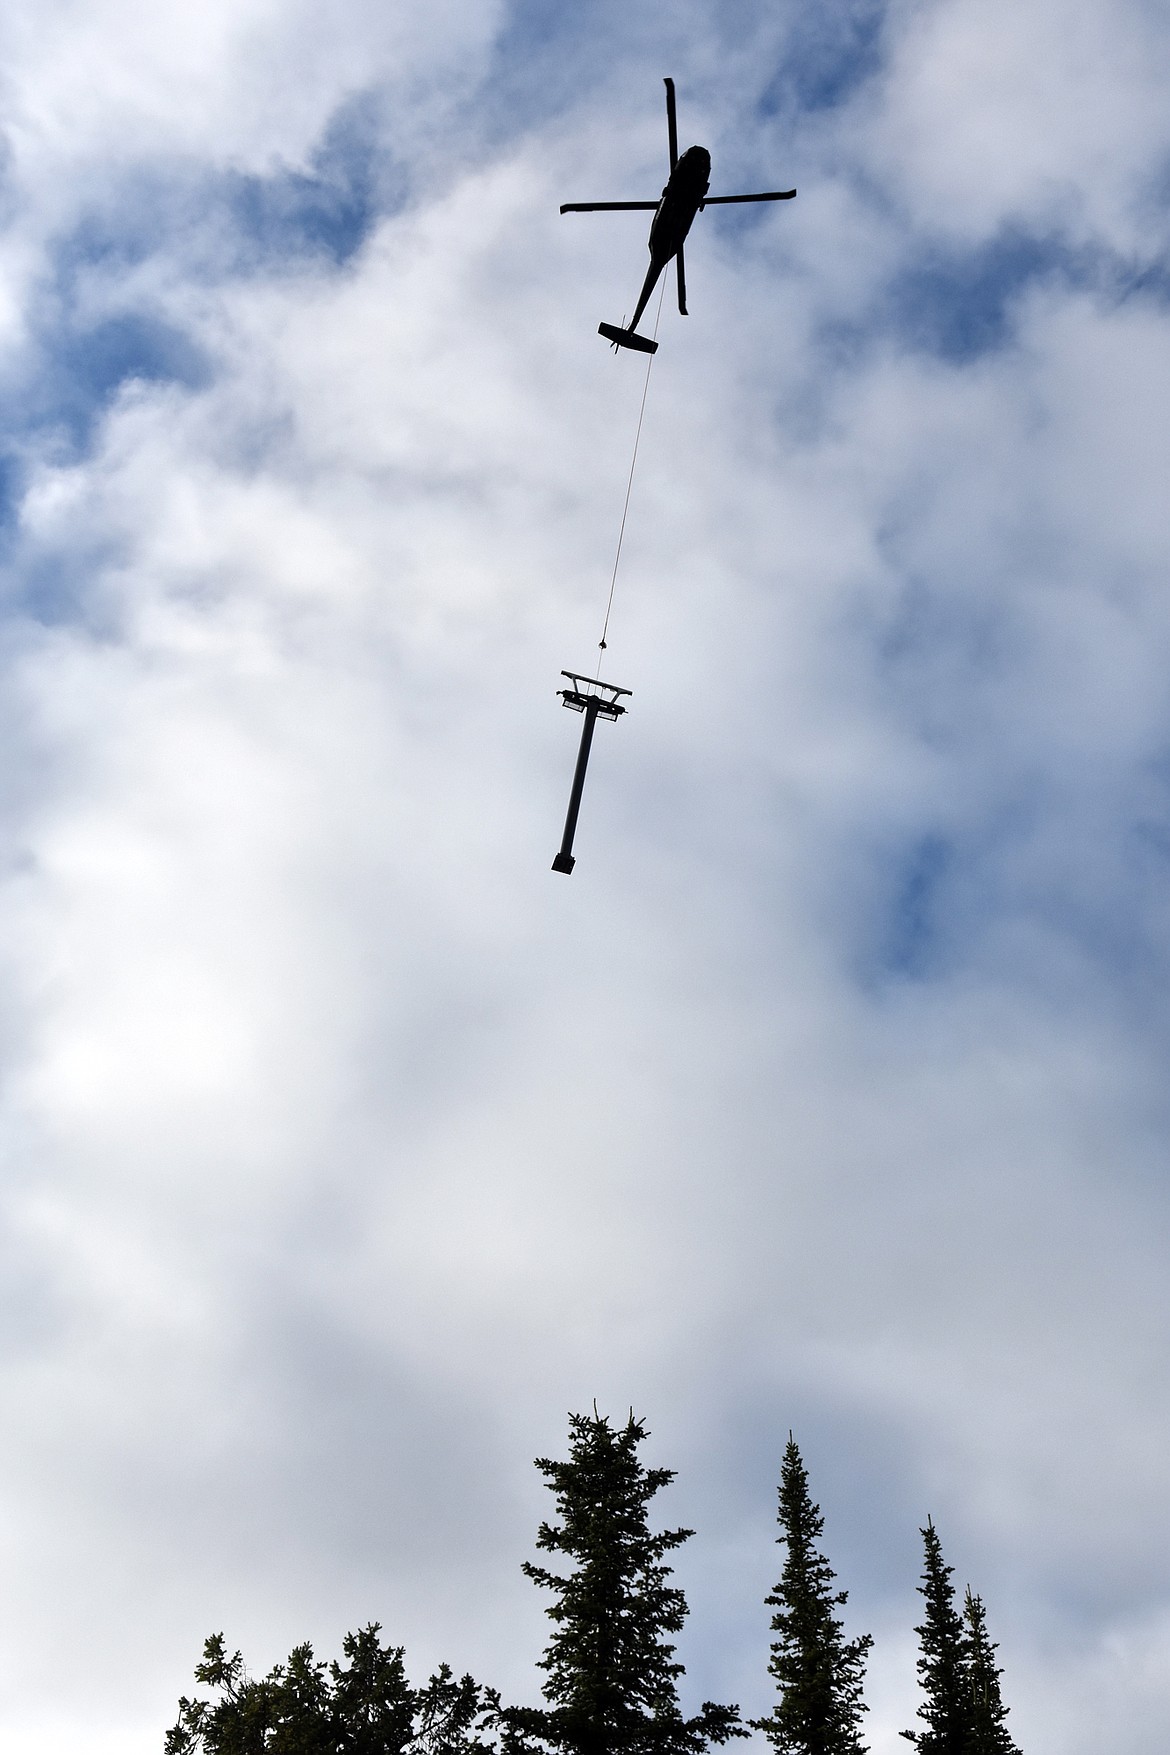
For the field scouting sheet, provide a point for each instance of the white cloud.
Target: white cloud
(347, 1146)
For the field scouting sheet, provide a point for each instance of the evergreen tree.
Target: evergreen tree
(942, 1665)
(987, 1733)
(818, 1672)
(611, 1673)
(305, 1707)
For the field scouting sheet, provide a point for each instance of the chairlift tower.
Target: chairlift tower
(596, 700)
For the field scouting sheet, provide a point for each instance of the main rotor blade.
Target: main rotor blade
(682, 283)
(727, 200)
(610, 206)
(671, 122)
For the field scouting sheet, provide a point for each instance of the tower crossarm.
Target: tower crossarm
(586, 691)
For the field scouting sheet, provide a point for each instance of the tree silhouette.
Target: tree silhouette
(818, 1672)
(611, 1674)
(987, 1734)
(942, 1663)
(305, 1707)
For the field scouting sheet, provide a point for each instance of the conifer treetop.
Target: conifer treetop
(365, 1706)
(611, 1675)
(818, 1673)
(987, 1732)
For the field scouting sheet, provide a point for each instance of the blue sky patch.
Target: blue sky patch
(911, 937)
(830, 51)
(225, 223)
(327, 211)
(1149, 279)
(958, 304)
(545, 59)
(10, 488)
(219, 224)
(100, 360)
(82, 371)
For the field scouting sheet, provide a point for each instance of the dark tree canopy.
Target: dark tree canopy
(963, 1709)
(942, 1662)
(818, 1672)
(611, 1674)
(305, 1707)
(987, 1734)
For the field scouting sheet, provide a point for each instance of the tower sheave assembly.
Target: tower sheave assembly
(596, 700)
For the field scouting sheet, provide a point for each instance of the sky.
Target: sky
(346, 1148)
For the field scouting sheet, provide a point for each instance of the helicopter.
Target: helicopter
(685, 195)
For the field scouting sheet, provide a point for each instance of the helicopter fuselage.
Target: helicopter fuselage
(681, 199)
(674, 212)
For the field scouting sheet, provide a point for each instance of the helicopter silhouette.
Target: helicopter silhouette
(685, 195)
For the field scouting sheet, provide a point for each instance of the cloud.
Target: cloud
(348, 1148)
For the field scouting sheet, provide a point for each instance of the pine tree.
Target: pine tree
(612, 1677)
(305, 1707)
(818, 1672)
(987, 1733)
(942, 1665)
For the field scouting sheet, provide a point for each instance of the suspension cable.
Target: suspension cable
(630, 479)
